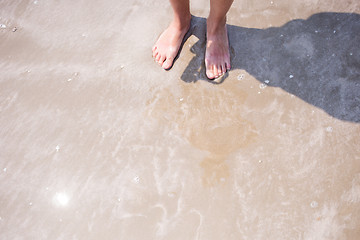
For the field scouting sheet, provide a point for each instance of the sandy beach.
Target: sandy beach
(99, 142)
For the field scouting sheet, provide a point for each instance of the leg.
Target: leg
(168, 44)
(217, 56)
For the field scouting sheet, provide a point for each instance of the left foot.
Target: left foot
(217, 56)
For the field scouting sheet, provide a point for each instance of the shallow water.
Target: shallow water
(97, 142)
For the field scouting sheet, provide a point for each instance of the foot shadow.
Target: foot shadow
(317, 59)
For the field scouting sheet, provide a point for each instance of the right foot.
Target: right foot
(168, 44)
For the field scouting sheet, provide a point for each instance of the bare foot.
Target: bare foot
(217, 56)
(168, 44)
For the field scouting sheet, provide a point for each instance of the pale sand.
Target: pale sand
(98, 142)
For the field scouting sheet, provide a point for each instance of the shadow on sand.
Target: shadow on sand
(317, 60)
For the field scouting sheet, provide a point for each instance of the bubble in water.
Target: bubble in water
(4, 169)
(314, 204)
(30, 203)
(171, 194)
(260, 161)
(36, 2)
(3, 26)
(262, 86)
(334, 31)
(291, 76)
(181, 99)
(69, 80)
(241, 77)
(61, 199)
(267, 81)
(316, 31)
(351, 54)
(57, 148)
(329, 129)
(136, 179)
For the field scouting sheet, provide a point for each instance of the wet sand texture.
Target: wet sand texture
(98, 142)
(323, 48)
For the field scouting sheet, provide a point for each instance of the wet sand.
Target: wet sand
(98, 142)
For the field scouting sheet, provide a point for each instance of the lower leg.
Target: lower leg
(217, 57)
(168, 44)
(181, 12)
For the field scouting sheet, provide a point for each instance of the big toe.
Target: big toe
(168, 63)
(210, 74)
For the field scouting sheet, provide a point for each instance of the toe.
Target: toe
(161, 60)
(154, 51)
(157, 58)
(210, 71)
(209, 74)
(228, 66)
(168, 63)
(217, 71)
(223, 68)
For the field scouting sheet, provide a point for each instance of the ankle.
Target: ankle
(181, 23)
(214, 25)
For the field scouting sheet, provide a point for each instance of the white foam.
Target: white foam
(262, 86)
(61, 199)
(314, 204)
(240, 77)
